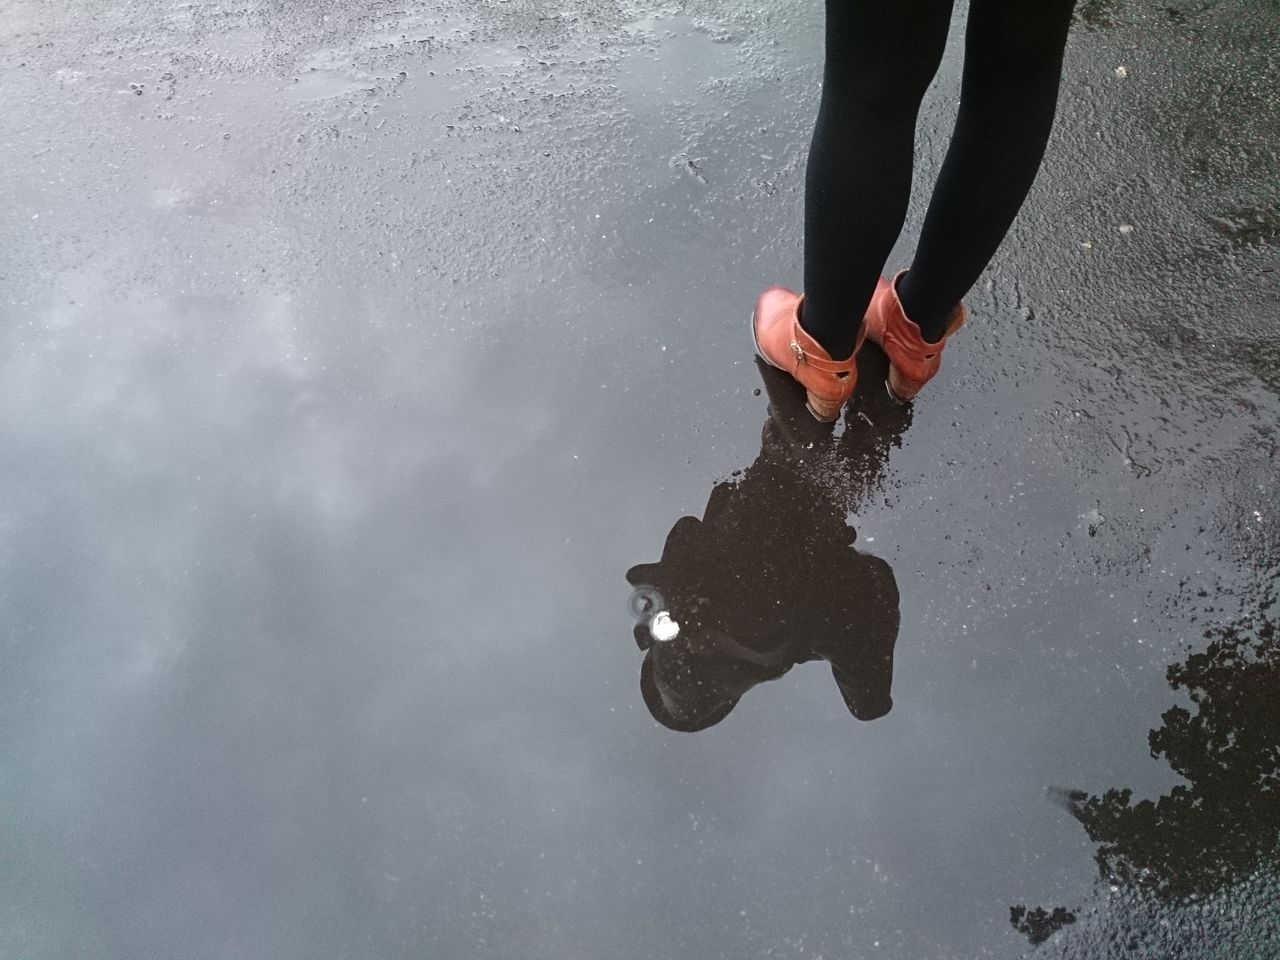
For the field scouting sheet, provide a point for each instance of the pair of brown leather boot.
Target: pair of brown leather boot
(783, 343)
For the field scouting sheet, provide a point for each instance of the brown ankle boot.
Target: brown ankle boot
(782, 342)
(912, 361)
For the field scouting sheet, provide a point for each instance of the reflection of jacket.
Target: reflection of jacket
(769, 578)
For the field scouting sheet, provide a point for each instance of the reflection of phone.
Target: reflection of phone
(654, 623)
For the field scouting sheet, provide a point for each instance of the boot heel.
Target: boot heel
(900, 337)
(825, 410)
(783, 343)
(902, 388)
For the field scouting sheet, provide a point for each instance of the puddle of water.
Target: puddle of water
(289, 513)
(675, 59)
(318, 84)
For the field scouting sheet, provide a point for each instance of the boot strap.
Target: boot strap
(825, 364)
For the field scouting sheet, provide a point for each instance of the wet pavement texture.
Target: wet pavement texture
(360, 359)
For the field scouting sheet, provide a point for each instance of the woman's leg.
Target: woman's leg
(880, 57)
(1012, 66)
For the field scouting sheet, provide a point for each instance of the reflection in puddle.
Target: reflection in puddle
(1217, 831)
(769, 577)
(1223, 824)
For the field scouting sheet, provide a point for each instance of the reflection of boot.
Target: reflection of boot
(874, 424)
(783, 343)
(913, 361)
(790, 433)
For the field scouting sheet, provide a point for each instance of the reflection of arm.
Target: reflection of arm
(862, 657)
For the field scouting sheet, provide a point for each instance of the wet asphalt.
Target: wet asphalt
(360, 359)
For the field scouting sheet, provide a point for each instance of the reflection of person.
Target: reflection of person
(769, 576)
(880, 58)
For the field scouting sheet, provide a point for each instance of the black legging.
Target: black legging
(880, 58)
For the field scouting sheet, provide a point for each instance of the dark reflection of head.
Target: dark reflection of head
(769, 577)
(1222, 825)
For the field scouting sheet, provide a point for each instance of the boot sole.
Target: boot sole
(900, 388)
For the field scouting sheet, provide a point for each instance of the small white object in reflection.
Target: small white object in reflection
(663, 627)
